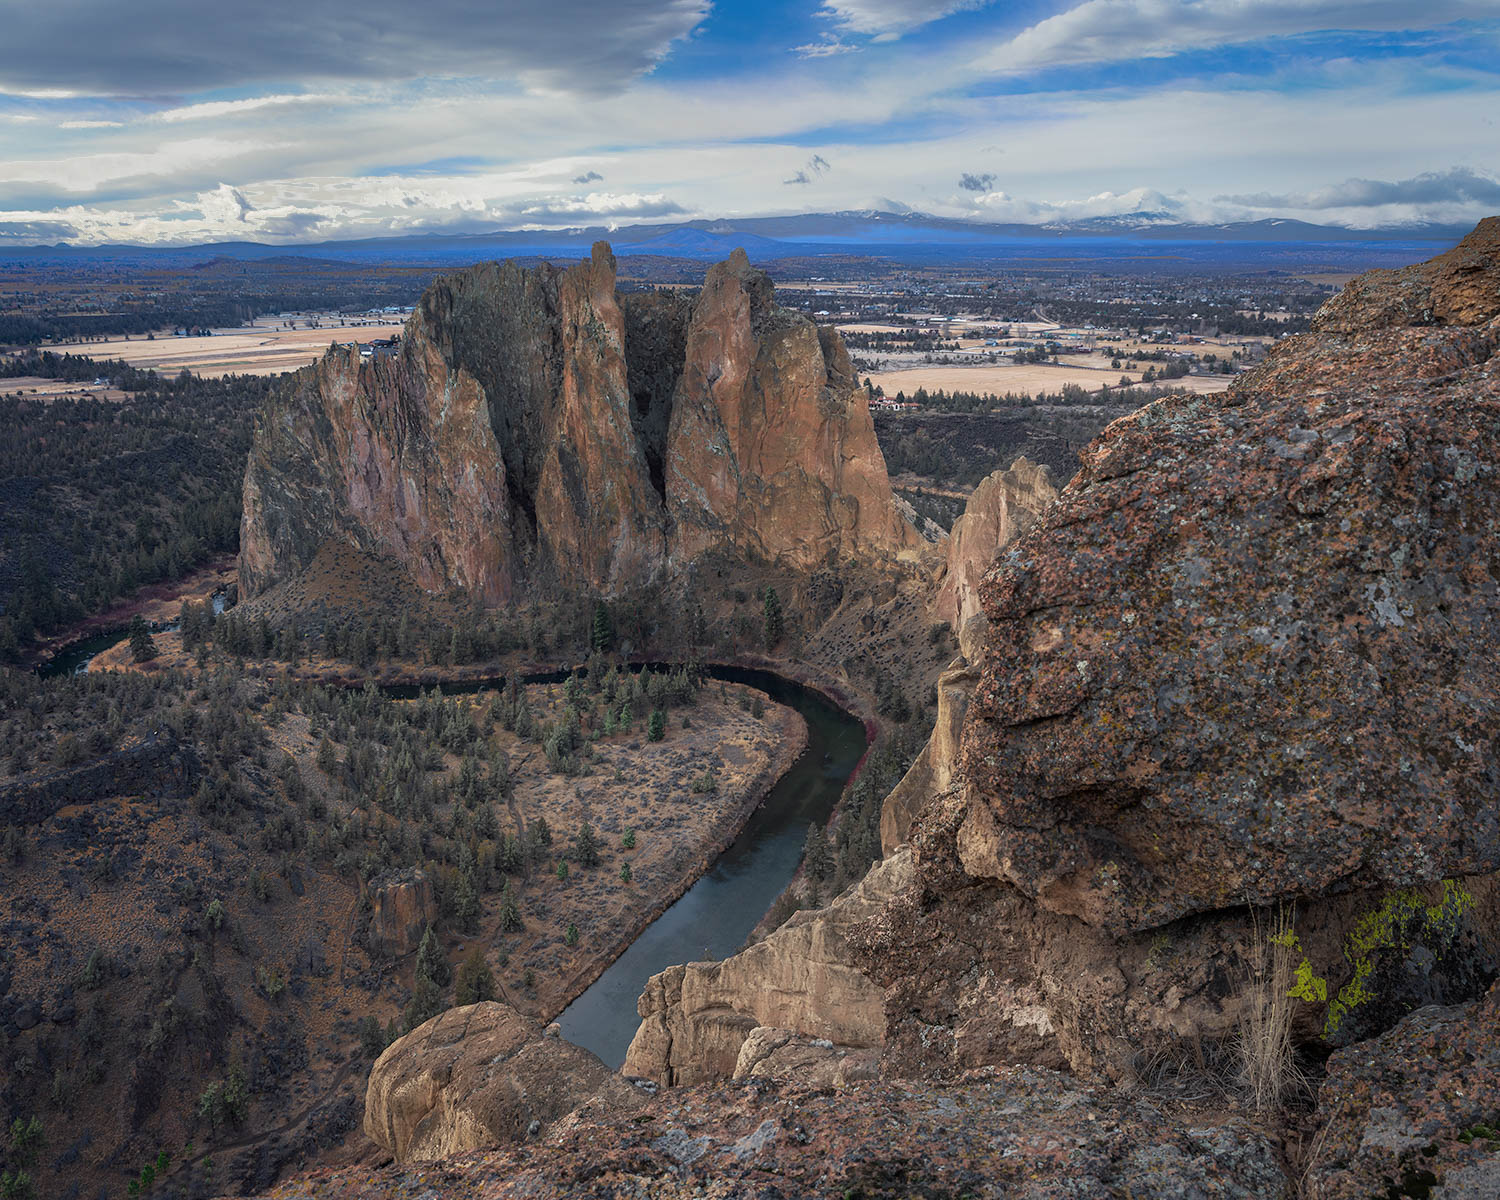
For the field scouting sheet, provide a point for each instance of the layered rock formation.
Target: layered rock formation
(478, 1077)
(533, 431)
(999, 510)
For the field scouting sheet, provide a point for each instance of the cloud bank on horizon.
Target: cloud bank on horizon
(159, 123)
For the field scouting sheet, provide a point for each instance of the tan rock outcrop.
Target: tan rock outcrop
(932, 772)
(999, 510)
(695, 1019)
(476, 1078)
(401, 908)
(772, 449)
(812, 1062)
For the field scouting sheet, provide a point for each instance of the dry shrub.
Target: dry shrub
(1267, 1060)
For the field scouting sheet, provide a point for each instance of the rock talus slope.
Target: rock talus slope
(532, 432)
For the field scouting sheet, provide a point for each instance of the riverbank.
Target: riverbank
(791, 736)
(158, 604)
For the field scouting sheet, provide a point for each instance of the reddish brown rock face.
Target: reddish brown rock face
(771, 447)
(395, 456)
(517, 442)
(1251, 653)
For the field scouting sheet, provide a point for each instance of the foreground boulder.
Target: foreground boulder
(478, 1077)
(1016, 1134)
(1250, 656)
(1415, 1111)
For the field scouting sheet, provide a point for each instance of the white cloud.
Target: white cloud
(1115, 30)
(886, 20)
(212, 109)
(826, 46)
(225, 205)
(152, 47)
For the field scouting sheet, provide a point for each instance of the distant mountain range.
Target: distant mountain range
(915, 236)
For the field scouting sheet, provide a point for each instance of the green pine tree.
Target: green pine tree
(510, 911)
(142, 645)
(432, 963)
(773, 617)
(475, 982)
(586, 846)
(656, 727)
(602, 638)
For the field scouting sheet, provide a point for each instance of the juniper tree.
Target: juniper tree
(142, 645)
(475, 982)
(432, 964)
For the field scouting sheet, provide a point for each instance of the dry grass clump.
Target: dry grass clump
(1268, 1069)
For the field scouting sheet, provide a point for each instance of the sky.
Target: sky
(170, 122)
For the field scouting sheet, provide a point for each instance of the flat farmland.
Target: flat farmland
(34, 387)
(1026, 379)
(256, 350)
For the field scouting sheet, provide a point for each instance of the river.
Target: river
(712, 919)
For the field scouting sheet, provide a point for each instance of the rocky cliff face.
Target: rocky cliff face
(1247, 657)
(772, 449)
(1240, 660)
(402, 906)
(532, 430)
(999, 510)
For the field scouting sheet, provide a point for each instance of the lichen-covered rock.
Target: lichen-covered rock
(1415, 1111)
(475, 1078)
(998, 511)
(1249, 655)
(402, 906)
(1012, 1134)
(1461, 287)
(696, 1018)
(771, 449)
